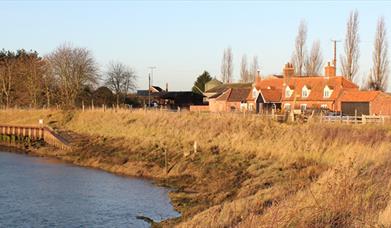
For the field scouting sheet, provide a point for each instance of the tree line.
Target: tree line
(66, 77)
(310, 63)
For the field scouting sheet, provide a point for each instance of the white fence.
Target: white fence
(364, 119)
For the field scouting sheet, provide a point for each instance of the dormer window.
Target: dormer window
(255, 93)
(288, 92)
(327, 91)
(305, 92)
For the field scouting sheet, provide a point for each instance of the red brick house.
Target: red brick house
(314, 92)
(288, 92)
(233, 99)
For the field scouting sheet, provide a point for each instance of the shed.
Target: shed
(365, 103)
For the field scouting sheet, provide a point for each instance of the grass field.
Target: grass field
(247, 171)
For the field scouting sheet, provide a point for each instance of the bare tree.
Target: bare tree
(298, 57)
(73, 69)
(313, 63)
(349, 62)
(120, 79)
(380, 71)
(254, 68)
(226, 66)
(7, 76)
(244, 72)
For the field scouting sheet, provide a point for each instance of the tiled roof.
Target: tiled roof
(317, 85)
(270, 82)
(359, 96)
(235, 94)
(271, 95)
(239, 94)
(224, 96)
(224, 87)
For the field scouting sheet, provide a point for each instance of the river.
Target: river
(41, 192)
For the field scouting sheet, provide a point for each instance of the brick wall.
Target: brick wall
(199, 108)
(381, 105)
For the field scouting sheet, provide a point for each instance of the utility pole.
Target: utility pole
(335, 51)
(151, 73)
(149, 90)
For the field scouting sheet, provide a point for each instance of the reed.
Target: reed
(247, 170)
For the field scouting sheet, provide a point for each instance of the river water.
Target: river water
(40, 192)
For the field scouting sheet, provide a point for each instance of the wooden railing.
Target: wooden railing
(36, 133)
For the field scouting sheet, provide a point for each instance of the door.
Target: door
(350, 108)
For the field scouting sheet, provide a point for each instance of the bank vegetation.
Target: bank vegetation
(244, 171)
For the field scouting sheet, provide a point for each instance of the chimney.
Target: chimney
(258, 81)
(329, 70)
(166, 87)
(289, 71)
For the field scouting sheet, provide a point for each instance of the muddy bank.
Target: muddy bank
(246, 171)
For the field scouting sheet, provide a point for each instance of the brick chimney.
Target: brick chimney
(289, 70)
(329, 70)
(258, 80)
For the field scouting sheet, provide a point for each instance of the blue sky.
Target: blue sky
(184, 38)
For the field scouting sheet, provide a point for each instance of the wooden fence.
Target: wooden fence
(36, 133)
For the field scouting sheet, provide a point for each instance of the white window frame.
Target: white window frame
(255, 93)
(324, 106)
(329, 92)
(303, 107)
(287, 106)
(288, 92)
(305, 92)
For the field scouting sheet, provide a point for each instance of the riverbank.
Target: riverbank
(245, 171)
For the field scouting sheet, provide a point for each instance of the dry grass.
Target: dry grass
(247, 171)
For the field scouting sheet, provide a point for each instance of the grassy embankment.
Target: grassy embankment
(247, 171)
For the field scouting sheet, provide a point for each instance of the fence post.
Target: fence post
(364, 119)
(355, 116)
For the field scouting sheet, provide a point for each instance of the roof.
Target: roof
(239, 94)
(157, 88)
(174, 94)
(235, 94)
(317, 85)
(145, 93)
(359, 96)
(271, 95)
(269, 82)
(224, 87)
(212, 84)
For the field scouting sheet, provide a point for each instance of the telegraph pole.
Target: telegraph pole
(149, 90)
(151, 74)
(335, 51)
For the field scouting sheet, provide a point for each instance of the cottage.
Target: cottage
(314, 92)
(266, 94)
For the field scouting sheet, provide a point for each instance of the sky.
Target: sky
(184, 38)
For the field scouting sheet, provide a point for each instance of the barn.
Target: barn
(365, 103)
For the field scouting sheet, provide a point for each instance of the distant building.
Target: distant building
(289, 92)
(169, 99)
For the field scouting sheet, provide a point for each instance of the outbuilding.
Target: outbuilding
(365, 103)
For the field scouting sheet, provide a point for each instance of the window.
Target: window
(287, 107)
(323, 106)
(288, 92)
(303, 107)
(305, 91)
(255, 93)
(327, 92)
